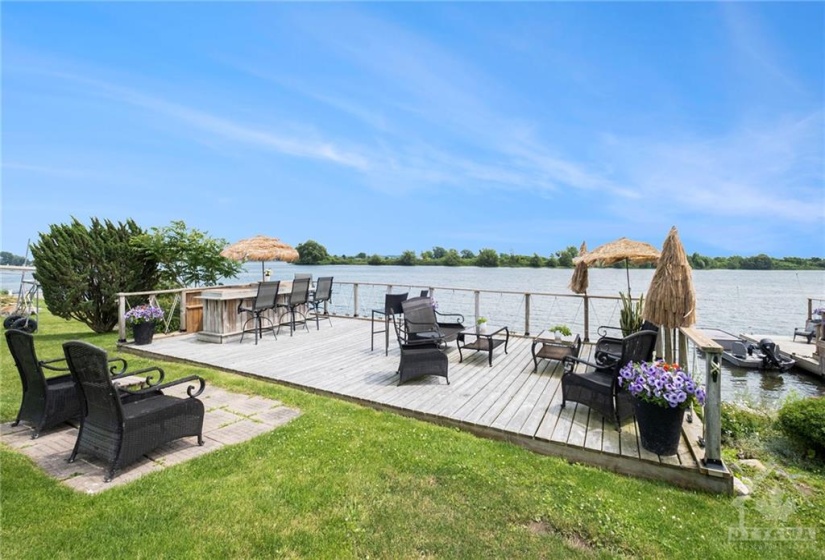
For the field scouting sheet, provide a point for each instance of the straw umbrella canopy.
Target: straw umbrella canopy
(671, 300)
(622, 249)
(579, 281)
(260, 248)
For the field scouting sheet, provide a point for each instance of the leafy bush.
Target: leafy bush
(187, 257)
(805, 419)
(81, 270)
(739, 423)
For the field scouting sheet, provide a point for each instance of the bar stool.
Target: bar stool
(266, 298)
(392, 304)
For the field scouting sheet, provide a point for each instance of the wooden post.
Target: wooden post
(713, 408)
(712, 437)
(184, 300)
(355, 300)
(586, 318)
(527, 314)
(121, 318)
(683, 350)
(669, 345)
(477, 296)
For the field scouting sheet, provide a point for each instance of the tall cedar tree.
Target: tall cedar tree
(80, 270)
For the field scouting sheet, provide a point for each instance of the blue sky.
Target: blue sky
(384, 127)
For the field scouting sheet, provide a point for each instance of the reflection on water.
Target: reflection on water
(767, 389)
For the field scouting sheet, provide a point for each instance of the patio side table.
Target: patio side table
(484, 341)
(551, 348)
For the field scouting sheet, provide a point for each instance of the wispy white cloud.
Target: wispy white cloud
(224, 127)
(752, 38)
(762, 170)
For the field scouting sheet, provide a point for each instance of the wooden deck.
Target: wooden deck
(506, 401)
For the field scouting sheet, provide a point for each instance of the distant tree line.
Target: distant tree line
(312, 252)
(9, 259)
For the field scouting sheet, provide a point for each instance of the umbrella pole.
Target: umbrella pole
(627, 271)
(263, 273)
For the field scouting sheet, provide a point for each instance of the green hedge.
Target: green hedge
(739, 423)
(805, 419)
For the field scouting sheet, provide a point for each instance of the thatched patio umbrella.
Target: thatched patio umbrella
(622, 249)
(671, 301)
(260, 248)
(579, 281)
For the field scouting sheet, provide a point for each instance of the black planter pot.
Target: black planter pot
(659, 428)
(143, 333)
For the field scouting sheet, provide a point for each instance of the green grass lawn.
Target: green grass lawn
(343, 481)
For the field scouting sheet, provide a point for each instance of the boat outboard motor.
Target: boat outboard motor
(771, 357)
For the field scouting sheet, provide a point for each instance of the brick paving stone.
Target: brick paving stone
(215, 419)
(275, 417)
(225, 423)
(216, 398)
(239, 431)
(6, 428)
(251, 405)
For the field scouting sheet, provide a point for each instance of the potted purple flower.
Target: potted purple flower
(662, 393)
(142, 320)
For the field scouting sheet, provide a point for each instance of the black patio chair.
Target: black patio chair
(48, 401)
(419, 358)
(322, 295)
(608, 348)
(264, 300)
(598, 385)
(298, 298)
(120, 432)
(392, 304)
(423, 322)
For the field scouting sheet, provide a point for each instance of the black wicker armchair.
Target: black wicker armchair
(598, 386)
(47, 401)
(609, 346)
(419, 358)
(120, 432)
(424, 323)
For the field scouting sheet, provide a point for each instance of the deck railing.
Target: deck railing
(526, 312)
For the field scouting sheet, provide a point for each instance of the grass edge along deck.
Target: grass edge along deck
(336, 361)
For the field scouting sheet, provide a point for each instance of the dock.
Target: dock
(506, 401)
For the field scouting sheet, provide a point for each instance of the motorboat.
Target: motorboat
(762, 355)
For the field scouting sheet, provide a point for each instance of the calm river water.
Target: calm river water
(737, 301)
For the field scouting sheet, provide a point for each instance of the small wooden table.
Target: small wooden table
(551, 348)
(483, 342)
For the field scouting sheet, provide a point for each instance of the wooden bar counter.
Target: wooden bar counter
(221, 320)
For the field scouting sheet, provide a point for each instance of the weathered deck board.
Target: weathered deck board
(505, 401)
